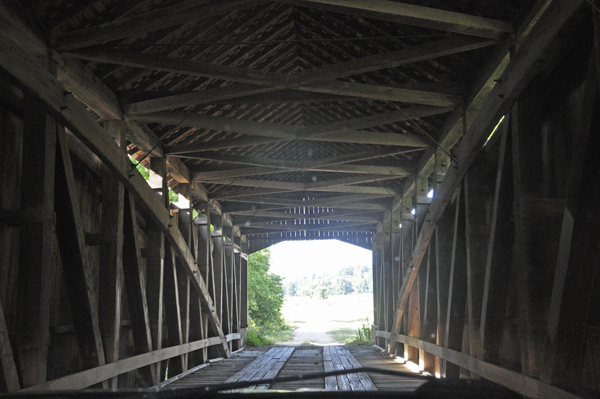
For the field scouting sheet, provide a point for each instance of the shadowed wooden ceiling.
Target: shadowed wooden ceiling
(302, 118)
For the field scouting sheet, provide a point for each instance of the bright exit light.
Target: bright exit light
(414, 211)
(430, 194)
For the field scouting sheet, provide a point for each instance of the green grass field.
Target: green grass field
(340, 315)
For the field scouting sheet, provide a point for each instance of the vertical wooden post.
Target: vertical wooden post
(227, 261)
(578, 259)
(412, 353)
(172, 308)
(457, 292)
(244, 283)
(155, 255)
(35, 261)
(217, 236)
(135, 283)
(184, 279)
(535, 249)
(427, 294)
(69, 230)
(499, 255)
(476, 241)
(111, 254)
(205, 265)
(8, 368)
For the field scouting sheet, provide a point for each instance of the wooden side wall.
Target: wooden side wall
(509, 287)
(87, 276)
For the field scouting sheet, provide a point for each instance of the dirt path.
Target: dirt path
(314, 330)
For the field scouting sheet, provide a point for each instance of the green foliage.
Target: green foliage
(350, 336)
(348, 280)
(363, 335)
(173, 197)
(253, 339)
(195, 214)
(323, 292)
(143, 171)
(265, 291)
(267, 335)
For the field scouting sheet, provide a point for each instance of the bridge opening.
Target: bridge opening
(327, 289)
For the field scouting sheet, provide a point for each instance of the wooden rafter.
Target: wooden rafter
(392, 59)
(409, 14)
(351, 201)
(148, 22)
(342, 131)
(320, 164)
(337, 90)
(397, 171)
(279, 216)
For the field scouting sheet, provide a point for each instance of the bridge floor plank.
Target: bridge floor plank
(369, 356)
(285, 361)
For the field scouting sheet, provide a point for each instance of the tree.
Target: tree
(323, 292)
(265, 291)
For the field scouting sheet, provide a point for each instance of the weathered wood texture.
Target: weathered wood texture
(516, 277)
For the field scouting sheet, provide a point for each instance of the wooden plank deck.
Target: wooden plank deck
(285, 361)
(217, 372)
(369, 356)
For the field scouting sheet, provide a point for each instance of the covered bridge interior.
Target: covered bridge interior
(371, 122)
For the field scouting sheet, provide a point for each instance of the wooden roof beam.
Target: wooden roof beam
(289, 187)
(351, 201)
(350, 227)
(259, 204)
(189, 119)
(338, 91)
(312, 186)
(414, 15)
(293, 165)
(148, 22)
(336, 131)
(358, 137)
(397, 171)
(277, 81)
(298, 218)
(289, 214)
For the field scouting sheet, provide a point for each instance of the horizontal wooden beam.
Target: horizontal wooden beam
(327, 73)
(327, 91)
(408, 14)
(307, 228)
(520, 383)
(397, 171)
(355, 201)
(294, 165)
(244, 141)
(393, 59)
(313, 216)
(178, 100)
(336, 131)
(306, 224)
(312, 186)
(90, 377)
(405, 94)
(147, 22)
(270, 188)
(221, 124)
(357, 137)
